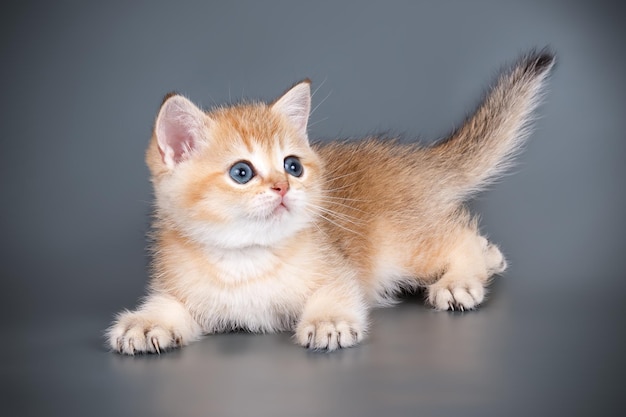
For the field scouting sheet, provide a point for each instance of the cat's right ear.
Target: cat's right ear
(178, 128)
(295, 104)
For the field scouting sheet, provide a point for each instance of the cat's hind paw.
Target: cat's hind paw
(329, 335)
(456, 296)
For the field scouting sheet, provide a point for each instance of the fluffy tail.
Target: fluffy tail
(485, 144)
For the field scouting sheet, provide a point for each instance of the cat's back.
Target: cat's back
(376, 176)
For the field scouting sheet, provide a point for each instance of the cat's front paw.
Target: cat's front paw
(160, 323)
(329, 334)
(134, 333)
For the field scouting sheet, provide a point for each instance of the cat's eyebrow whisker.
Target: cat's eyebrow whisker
(320, 103)
(319, 86)
(317, 121)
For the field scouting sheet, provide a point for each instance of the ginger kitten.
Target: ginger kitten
(258, 229)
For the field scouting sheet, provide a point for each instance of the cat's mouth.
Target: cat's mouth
(273, 210)
(280, 209)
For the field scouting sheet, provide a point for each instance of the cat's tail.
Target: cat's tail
(484, 146)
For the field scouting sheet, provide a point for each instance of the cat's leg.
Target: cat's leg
(470, 264)
(494, 259)
(335, 316)
(160, 323)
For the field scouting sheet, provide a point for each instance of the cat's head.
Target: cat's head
(236, 176)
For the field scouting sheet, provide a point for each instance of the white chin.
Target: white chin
(280, 211)
(274, 229)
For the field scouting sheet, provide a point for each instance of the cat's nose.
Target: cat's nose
(281, 188)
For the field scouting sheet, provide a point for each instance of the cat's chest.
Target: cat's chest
(245, 266)
(254, 290)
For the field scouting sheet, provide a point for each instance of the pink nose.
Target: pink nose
(281, 188)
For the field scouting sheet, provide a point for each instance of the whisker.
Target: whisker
(320, 103)
(337, 224)
(344, 175)
(317, 226)
(336, 213)
(337, 168)
(343, 219)
(342, 205)
(317, 121)
(339, 188)
(330, 198)
(319, 86)
(340, 216)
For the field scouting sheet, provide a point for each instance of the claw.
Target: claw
(308, 343)
(355, 335)
(120, 344)
(178, 341)
(131, 346)
(155, 344)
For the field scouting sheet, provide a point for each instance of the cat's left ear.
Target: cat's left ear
(296, 105)
(178, 128)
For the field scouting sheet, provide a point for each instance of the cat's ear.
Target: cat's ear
(178, 128)
(296, 105)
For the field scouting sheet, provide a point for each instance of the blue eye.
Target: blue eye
(293, 166)
(241, 172)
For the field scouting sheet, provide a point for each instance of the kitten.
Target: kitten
(257, 229)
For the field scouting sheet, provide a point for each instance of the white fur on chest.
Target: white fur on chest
(253, 289)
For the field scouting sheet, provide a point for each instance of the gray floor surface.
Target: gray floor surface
(556, 354)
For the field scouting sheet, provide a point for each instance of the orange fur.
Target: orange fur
(273, 248)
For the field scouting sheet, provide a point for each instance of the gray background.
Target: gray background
(81, 83)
